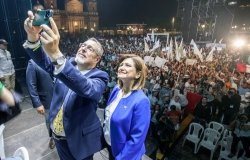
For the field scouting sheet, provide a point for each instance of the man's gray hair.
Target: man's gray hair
(99, 50)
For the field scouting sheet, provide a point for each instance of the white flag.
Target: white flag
(170, 52)
(147, 38)
(146, 47)
(190, 61)
(221, 40)
(210, 55)
(159, 62)
(156, 45)
(196, 50)
(152, 36)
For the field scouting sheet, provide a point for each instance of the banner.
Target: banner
(191, 61)
(159, 62)
(148, 60)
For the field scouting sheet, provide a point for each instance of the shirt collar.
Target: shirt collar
(84, 71)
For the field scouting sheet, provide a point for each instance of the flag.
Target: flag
(170, 51)
(159, 62)
(147, 38)
(181, 49)
(241, 67)
(146, 48)
(190, 61)
(152, 36)
(196, 50)
(167, 40)
(148, 60)
(156, 45)
(221, 40)
(210, 55)
(155, 39)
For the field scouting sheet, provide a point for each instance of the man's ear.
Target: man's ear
(98, 58)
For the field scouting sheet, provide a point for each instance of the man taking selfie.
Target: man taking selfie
(78, 87)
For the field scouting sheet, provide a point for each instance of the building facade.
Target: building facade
(75, 17)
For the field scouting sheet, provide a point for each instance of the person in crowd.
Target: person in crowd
(40, 87)
(9, 104)
(78, 88)
(155, 115)
(203, 112)
(176, 102)
(6, 96)
(127, 115)
(174, 116)
(154, 97)
(241, 132)
(231, 105)
(8, 99)
(7, 69)
(165, 132)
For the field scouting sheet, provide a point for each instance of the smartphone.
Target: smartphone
(42, 17)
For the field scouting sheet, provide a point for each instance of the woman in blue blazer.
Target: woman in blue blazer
(127, 115)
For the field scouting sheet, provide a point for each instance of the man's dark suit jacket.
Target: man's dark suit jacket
(40, 85)
(81, 124)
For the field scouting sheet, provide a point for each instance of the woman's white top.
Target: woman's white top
(108, 114)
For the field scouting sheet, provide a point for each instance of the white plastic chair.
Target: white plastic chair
(216, 126)
(209, 140)
(2, 153)
(227, 133)
(225, 149)
(195, 132)
(22, 152)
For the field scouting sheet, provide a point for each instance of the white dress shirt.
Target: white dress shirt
(108, 114)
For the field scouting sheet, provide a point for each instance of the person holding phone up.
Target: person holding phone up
(78, 88)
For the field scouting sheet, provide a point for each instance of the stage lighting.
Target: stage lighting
(232, 2)
(238, 43)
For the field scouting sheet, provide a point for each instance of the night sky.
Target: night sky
(156, 13)
(151, 12)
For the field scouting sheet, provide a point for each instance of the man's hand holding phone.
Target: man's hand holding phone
(49, 37)
(32, 31)
(50, 40)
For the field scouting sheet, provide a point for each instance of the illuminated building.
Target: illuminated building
(75, 17)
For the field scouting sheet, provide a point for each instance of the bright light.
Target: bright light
(232, 3)
(173, 19)
(203, 26)
(75, 23)
(239, 43)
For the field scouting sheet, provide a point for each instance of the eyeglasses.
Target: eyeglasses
(89, 47)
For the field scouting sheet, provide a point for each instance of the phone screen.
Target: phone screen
(42, 17)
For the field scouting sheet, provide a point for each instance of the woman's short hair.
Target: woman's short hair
(140, 67)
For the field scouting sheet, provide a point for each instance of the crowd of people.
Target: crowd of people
(211, 91)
